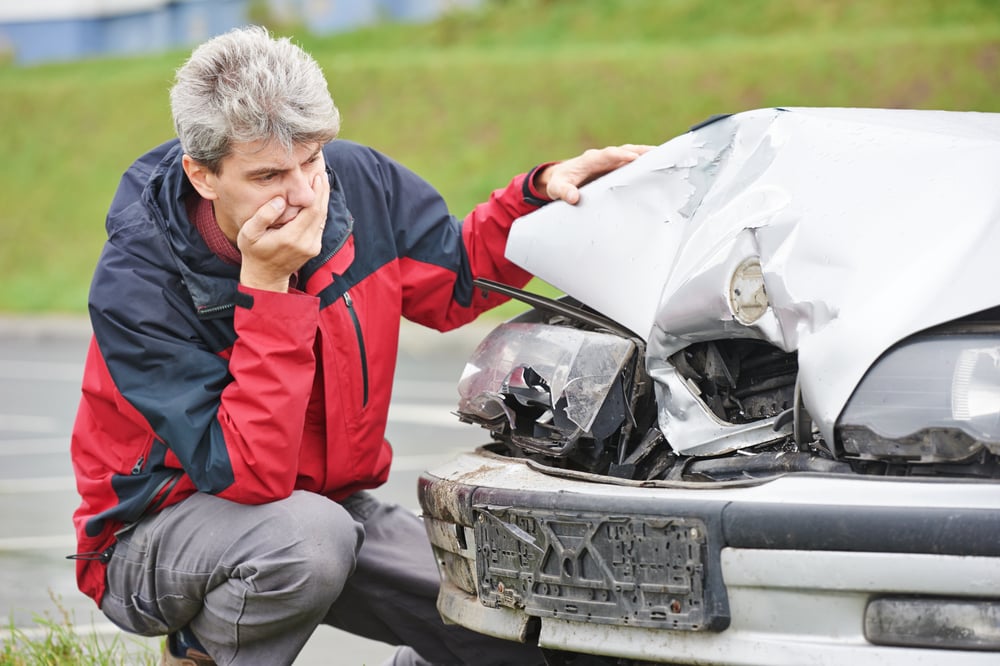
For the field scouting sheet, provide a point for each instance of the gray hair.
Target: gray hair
(245, 86)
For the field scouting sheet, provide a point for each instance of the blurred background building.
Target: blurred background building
(36, 31)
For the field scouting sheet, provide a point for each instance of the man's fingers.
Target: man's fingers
(321, 185)
(264, 217)
(638, 148)
(590, 165)
(593, 162)
(615, 156)
(563, 180)
(571, 194)
(275, 207)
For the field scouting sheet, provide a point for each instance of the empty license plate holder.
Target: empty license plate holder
(643, 571)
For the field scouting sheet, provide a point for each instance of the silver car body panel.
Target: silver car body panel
(721, 233)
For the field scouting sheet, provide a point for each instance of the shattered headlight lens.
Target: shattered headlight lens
(933, 399)
(547, 385)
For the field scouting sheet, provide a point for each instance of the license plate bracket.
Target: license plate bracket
(643, 571)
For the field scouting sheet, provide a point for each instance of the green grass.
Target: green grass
(56, 640)
(476, 97)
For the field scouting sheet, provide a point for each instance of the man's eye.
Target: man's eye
(266, 177)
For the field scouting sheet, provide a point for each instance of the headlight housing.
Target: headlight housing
(548, 387)
(934, 398)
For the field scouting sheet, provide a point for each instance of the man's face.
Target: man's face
(252, 175)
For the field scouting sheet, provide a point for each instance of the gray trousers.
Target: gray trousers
(254, 581)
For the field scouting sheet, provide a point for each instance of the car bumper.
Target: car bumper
(780, 572)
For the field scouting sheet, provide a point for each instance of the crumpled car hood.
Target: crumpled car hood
(831, 232)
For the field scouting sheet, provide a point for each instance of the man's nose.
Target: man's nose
(300, 192)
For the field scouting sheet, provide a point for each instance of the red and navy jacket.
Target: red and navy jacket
(195, 383)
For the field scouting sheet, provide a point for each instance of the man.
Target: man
(246, 313)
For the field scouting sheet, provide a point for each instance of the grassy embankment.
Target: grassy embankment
(472, 99)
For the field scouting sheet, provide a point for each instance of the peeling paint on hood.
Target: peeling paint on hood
(868, 225)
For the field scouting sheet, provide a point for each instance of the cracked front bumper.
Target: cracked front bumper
(777, 572)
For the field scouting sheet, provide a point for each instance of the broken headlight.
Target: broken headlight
(932, 399)
(549, 389)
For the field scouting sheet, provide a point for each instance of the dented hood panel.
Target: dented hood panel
(831, 232)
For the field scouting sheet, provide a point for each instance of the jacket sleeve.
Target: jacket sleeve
(210, 410)
(262, 410)
(438, 291)
(439, 255)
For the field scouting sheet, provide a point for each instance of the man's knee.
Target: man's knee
(309, 550)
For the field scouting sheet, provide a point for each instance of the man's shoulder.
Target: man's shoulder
(346, 154)
(142, 170)
(358, 167)
(148, 162)
(148, 168)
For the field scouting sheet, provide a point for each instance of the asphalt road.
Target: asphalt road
(41, 362)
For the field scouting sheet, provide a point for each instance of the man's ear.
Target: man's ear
(200, 176)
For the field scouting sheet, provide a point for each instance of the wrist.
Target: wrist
(256, 279)
(535, 187)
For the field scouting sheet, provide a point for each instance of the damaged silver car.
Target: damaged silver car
(763, 425)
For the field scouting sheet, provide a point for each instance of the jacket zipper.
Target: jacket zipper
(140, 463)
(215, 309)
(361, 345)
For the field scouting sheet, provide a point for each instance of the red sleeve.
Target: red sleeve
(430, 292)
(263, 409)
